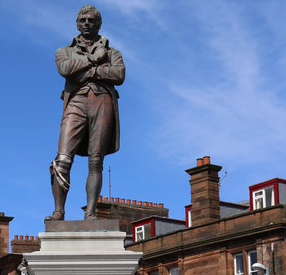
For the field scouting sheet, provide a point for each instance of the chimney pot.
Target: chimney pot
(2, 214)
(111, 199)
(128, 201)
(150, 204)
(207, 160)
(37, 238)
(200, 161)
(31, 238)
(155, 204)
(26, 238)
(139, 202)
(116, 199)
(134, 202)
(15, 237)
(144, 203)
(100, 199)
(105, 198)
(161, 205)
(122, 200)
(21, 237)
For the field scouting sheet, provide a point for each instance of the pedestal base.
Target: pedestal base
(79, 253)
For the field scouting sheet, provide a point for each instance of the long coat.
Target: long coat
(74, 64)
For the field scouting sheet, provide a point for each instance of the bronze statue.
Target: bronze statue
(90, 122)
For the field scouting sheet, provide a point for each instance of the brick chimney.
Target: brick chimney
(21, 245)
(204, 191)
(4, 234)
(127, 212)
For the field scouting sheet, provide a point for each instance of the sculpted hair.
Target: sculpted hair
(89, 8)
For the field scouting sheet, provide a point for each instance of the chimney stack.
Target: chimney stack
(204, 191)
(4, 234)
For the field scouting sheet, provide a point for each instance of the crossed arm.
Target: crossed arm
(80, 67)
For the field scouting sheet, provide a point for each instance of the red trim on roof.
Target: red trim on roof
(153, 228)
(250, 199)
(266, 183)
(276, 193)
(143, 221)
(273, 182)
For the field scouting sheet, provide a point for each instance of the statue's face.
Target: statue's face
(88, 25)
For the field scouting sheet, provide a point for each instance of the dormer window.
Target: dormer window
(143, 232)
(154, 225)
(267, 193)
(263, 198)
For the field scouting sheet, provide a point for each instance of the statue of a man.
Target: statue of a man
(90, 122)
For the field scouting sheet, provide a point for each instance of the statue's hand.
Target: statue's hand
(81, 77)
(98, 55)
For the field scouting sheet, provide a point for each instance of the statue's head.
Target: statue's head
(89, 21)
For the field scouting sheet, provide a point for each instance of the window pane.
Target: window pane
(259, 200)
(269, 196)
(259, 203)
(238, 264)
(139, 236)
(147, 230)
(143, 232)
(174, 271)
(139, 229)
(190, 218)
(252, 259)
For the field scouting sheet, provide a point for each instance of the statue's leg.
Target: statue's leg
(93, 185)
(60, 180)
(73, 128)
(101, 123)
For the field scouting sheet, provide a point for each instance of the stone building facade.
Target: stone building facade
(128, 211)
(215, 245)
(8, 261)
(221, 239)
(26, 244)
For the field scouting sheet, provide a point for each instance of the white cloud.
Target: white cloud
(35, 16)
(129, 7)
(239, 116)
(134, 9)
(273, 14)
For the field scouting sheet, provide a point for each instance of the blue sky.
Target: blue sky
(203, 78)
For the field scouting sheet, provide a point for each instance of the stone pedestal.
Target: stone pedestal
(82, 252)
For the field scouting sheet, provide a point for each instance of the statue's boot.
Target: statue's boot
(60, 199)
(56, 216)
(59, 170)
(89, 216)
(91, 206)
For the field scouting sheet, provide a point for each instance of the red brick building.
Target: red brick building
(127, 211)
(217, 237)
(8, 262)
(213, 245)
